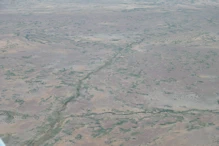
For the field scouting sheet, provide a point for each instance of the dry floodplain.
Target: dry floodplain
(109, 72)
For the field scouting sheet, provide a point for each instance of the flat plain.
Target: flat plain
(109, 72)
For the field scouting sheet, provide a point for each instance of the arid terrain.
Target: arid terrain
(109, 72)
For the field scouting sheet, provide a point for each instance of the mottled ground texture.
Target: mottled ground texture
(109, 72)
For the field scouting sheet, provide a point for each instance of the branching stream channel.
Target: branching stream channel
(55, 127)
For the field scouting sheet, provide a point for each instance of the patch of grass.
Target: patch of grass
(55, 131)
(121, 122)
(200, 82)
(180, 118)
(101, 132)
(192, 127)
(9, 73)
(52, 119)
(20, 101)
(49, 144)
(169, 80)
(194, 120)
(168, 123)
(124, 130)
(27, 36)
(58, 86)
(135, 75)
(7, 137)
(71, 141)
(71, 98)
(135, 133)
(157, 83)
(122, 70)
(71, 73)
(10, 116)
(134, 85)
(98, 89)
(167, 92)
(33, 90)
(67, 131)
(79, 137)
(197, 124)
(29, 71)
(62, 70)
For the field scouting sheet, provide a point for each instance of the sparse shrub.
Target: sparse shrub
(78, 137)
